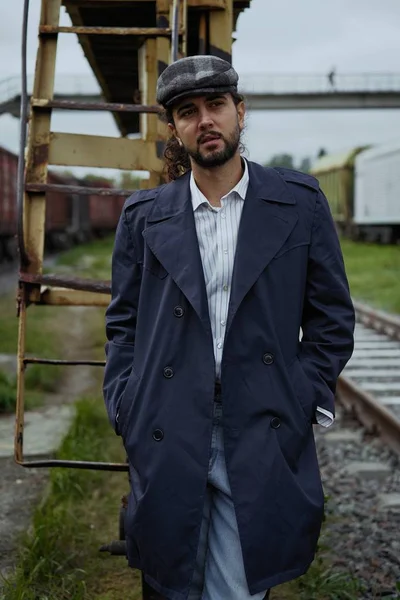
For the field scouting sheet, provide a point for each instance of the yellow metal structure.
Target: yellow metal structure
(127, 43)
(335, 174)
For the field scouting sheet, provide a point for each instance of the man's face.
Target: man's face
(209, 128)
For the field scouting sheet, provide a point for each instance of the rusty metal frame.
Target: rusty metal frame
(148, 32)
(116, 107)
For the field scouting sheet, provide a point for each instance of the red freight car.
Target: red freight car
(8, 203)
(104, 211)
(70, 218)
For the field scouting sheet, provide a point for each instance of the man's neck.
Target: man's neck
(216, 183)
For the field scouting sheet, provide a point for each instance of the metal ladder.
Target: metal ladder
(161, 45)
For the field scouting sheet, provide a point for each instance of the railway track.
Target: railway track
(370, 384)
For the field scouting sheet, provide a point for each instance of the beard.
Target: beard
(218, 157)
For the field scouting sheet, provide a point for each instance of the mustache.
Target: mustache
(203, 136)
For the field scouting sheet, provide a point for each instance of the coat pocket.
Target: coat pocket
(126, 401)
(303, 388)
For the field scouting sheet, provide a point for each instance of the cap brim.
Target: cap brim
(200, 92)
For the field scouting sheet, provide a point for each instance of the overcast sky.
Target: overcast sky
(289, 36)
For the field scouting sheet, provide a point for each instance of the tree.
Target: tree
(305, 165)
(281, 160)
(128, 181)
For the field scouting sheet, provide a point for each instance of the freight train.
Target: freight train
(363, 190)
(70, 218)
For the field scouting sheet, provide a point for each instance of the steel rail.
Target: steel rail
(375, 417)
(378, 320)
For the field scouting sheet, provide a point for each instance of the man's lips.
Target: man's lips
(209, 138)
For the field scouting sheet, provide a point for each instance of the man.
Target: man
(206, 380)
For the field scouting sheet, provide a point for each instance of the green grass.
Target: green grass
(89, 260)
(43, 338)
(321, 582)
(374, 274)
(60, 557)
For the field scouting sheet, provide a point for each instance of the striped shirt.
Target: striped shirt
(217, 231)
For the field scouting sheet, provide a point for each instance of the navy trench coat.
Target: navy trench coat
(160, 373)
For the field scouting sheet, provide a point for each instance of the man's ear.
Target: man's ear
(173, 132)
(241, 110)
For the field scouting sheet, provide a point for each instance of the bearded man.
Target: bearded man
(229, 324)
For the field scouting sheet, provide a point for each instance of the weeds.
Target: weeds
(7, 393)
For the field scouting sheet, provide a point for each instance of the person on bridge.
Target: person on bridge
(331, 78)
(206, 379)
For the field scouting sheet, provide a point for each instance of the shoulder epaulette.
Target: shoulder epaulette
(297, 177)
(143, 196)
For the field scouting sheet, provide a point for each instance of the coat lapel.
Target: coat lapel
(171, 235)
(263, 229)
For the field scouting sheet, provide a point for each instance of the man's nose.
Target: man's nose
(205, 120)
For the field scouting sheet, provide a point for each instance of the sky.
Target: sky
(289, 36)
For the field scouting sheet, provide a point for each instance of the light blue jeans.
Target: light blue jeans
(219, 572)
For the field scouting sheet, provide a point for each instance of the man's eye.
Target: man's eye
(187, 112)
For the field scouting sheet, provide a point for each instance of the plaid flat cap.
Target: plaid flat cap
(195, 75)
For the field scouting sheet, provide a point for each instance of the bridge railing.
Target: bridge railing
(308, 83)
(250, 83)
(65, 84)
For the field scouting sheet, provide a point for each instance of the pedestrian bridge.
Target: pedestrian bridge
(263, 91)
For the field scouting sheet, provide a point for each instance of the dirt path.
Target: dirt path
(20, 488)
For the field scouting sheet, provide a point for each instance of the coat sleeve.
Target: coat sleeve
(328, 314)
(121, 320)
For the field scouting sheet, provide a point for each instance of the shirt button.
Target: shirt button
(225, 251)
(225, 288)
(219, 346)
(223, 323)
(222, 215)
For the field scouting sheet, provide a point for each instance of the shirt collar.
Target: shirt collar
(198, 198)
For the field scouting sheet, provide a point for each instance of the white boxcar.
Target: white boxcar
(377, 186)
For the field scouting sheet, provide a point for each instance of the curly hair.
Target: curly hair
(177, 161)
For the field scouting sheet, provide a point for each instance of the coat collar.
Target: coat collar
(265, 184)
(264, 227)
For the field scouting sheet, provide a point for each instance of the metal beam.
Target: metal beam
(321, 101)
(73, 150)
(147, 32)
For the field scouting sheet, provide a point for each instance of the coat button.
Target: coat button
(158, 435)
(268, 358)
(275, 423)
(168, 372)
(179, 311)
